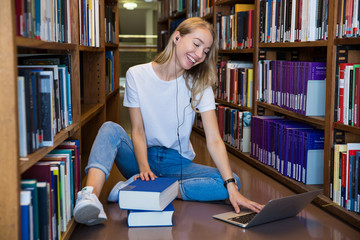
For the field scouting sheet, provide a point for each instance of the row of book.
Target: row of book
(168, 8)
(49, 191)
(234, 127)
(235, 82)
(348, 18)
(109, 71)
(344, 182)
(347, 94)
(44, 20)
(200, 8)
(293, 20)
(44, 99)
(236, 31)
(89, 23)
(110, 24)
(293, 85)
(294, 149)
(149, 203)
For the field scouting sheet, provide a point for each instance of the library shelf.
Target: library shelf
(39, 44)
(231, 2)
(319, 121)
(113, 93)
(111, 45)
(237, 51)
(69, 230)
(208, 17)
(320, 43)
(163, 20)
(31, 159)
(178, 15)
(90, 49)
(347, 128)
(88, 111)
(233, 105)
(347, 41)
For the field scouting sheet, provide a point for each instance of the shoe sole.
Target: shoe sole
(87, 214)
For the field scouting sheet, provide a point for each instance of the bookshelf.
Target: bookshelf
(332, 50)
(91, 105)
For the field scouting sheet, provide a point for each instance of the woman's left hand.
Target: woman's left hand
(237, 200)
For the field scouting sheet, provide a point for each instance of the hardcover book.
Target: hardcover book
(143, 218)
(152, 195)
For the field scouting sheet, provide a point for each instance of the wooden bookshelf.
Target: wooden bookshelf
(326, 50)
(90, 103)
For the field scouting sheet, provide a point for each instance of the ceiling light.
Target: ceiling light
(130, 5)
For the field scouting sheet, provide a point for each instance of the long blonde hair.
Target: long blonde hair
(203, 75)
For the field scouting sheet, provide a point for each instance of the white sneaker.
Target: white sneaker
(88, 209)
(114, 194)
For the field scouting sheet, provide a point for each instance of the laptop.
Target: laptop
(274, 210)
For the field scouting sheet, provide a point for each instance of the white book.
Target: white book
(68, 27)
(266, 21)
(63, 91)
(43, 21)
(346, 94)
(80, 22)
(273, 26)
(47, 107)
(97, 24)
(22, 117)
(355, 21)
(142, 218)
(154, 195)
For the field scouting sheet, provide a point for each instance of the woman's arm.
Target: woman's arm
(218, 153)
(139, 142)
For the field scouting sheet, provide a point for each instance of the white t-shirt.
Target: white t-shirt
(158, 101)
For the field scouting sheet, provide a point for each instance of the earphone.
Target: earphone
(179, 125)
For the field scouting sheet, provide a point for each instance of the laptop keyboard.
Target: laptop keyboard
(244, 218)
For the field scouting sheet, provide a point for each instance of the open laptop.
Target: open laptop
(275, 209)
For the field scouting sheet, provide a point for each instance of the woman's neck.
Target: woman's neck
(167, 71)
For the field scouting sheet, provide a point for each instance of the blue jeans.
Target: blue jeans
(197, 182)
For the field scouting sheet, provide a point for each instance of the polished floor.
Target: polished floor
(193, 220)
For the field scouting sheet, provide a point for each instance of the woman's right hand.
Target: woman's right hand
(146, 175)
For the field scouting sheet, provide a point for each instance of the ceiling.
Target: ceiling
(133, 22)
(150, 4)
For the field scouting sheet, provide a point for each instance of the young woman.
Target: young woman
(162, 97)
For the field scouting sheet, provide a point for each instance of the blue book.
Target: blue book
(25, 203)
(143, 218)
(351, 184)
(152, 195)
(357, 192)
(44, 210)
(30, 185)
(283, 148)
(313, 156)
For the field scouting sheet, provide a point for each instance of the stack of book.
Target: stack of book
(149, 203)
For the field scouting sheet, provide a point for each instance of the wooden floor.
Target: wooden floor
(193, 220)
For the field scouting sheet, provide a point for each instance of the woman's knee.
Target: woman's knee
(112, 128)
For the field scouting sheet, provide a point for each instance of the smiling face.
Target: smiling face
(191, 48)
